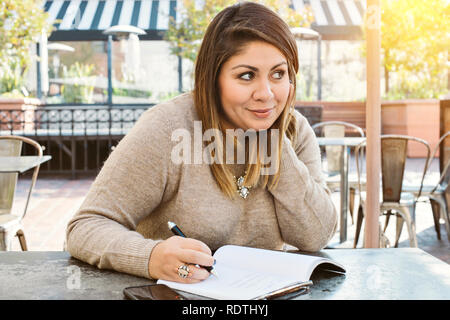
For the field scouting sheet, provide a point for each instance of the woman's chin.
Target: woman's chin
(260, 125)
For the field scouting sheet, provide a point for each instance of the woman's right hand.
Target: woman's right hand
(168, 255)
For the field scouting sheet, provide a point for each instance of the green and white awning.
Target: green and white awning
(77, 20)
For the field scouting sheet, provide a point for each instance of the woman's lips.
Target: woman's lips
(262, 113)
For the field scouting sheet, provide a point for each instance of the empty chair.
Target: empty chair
(335, 129)
(436, 191)
(338, 129)
(10, 223)
(393, 200)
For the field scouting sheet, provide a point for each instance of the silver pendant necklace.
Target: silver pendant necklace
(243, 191)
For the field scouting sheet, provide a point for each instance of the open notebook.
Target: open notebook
(246, 273)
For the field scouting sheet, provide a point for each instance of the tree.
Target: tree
(185, 37)
(21, 23)
(415, 41)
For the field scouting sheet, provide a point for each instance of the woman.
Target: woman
(244, 83)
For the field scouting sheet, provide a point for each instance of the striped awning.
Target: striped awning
(336, 19)
(77, 20)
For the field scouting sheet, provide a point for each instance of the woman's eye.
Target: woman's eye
(278, 74)
(246, 76)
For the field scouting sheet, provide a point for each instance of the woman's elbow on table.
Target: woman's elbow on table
(320, 237)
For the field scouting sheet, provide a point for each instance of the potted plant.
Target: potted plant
(21, 23)
(415, 46)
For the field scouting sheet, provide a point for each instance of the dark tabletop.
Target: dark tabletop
(405, 273)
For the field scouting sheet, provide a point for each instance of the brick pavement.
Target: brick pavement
(55, 200)
(53, 203)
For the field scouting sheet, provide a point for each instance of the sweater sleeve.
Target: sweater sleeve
(306, 214)
(130, 186)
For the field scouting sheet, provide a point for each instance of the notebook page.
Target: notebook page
(292, 265)
(233, 283)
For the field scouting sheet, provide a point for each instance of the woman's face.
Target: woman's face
(254, 86)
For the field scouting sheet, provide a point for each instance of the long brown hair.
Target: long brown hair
(228, 33)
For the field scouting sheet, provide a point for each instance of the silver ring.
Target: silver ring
(183, 271)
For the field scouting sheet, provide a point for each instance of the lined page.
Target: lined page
(233, 283)
(292, 265)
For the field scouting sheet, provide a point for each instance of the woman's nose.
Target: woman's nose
(263, 90)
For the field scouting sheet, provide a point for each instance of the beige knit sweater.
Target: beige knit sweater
(139, 189)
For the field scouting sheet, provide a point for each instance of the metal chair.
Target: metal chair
(394, 201)
(436, 191)
(10, 223)
(338, 129)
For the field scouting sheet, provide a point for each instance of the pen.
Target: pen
(177, 231)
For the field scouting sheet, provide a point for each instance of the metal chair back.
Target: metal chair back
(11, 146)
(342, 124)
(8, 181)
(335, 129)
(443, 146)
(393, 159)
(444, 151)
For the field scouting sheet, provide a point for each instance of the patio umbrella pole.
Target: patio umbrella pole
(180, 74)
(319, 68)
(373, 125)
(38, 72)
(110, 89)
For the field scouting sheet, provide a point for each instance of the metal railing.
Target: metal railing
(79, 138)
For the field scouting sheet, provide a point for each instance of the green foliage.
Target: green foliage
(130, 93)
(21, 23)
(415, 41)
(83, 88)
(167, 96)
(11, 80)
(185, 37)
(420, 85)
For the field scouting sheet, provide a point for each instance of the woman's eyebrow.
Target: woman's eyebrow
(256, 69)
